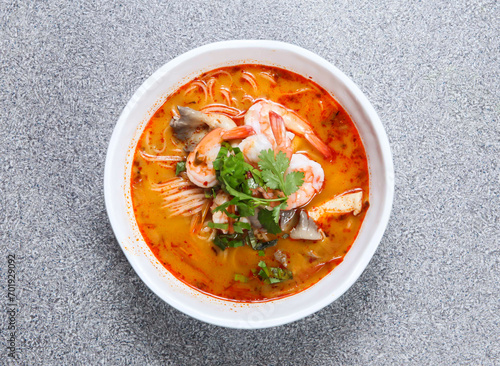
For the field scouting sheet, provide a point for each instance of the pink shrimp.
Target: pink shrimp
(199, 164)
(257, 116)
(314, 178)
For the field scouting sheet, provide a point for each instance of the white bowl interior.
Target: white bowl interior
(152, 94)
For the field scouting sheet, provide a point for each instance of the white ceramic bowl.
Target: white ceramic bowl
(152, 94)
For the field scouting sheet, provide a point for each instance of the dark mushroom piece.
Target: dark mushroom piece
(192, 125)
(288, 220)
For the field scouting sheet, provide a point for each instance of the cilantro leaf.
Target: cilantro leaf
(245, 209)
(276, 212)
(274, 168)
(257, 176)
(239, 226)
(293, 181)
(272, 180)
(266, 218)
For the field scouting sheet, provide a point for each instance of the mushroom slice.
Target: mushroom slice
(288, 220)
(306, 229)
(192, 125)
(350, 201)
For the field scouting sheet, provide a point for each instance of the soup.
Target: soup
(250, 183)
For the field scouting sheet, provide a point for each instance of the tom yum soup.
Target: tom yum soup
(250, 183)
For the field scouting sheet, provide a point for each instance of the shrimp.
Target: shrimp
(314, 177)
(257, 116)
(283, 142)
(220, 217)
(199, 165)
(252, 146)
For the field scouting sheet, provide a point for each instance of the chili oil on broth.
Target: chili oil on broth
(198, 262)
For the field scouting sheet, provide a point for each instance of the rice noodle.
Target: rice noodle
(195, 223)
(198, 83)
(217, 72)
(180, 196)
(204, 213)
(226, 93)
(210, 87)
(300, 91)
(250, 78)
(175, 112)
(222, 109)
(320, 102)
(206, 234)
(161, 158)
(268, 76)
(248, 97)
(171, 182)
(148, 142)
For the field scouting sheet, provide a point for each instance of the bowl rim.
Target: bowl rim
(381, 138)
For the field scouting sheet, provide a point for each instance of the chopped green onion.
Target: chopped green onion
(180, 167)
(240, 278)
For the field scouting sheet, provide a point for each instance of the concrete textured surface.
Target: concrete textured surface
(430, 295)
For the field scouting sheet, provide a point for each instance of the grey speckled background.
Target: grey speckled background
(431, 293)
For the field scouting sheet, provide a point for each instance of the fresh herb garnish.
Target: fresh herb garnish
(217, 226)
(268, 220)
(230, 240)
(273, 274)
(239, 226)
(273, 172)
(264, 245)
(232, 170)
(180, 167)
(211, 193)
(238, 178)
(240, 278)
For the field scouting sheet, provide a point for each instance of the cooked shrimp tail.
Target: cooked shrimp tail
(301, 127)
(258, 116)
(239, 132)
(283, 143)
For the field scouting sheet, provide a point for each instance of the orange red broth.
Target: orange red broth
(198, 262)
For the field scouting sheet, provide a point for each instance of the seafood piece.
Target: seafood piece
(252, 146)
(283, 142)
(220, 217)
(257, 116)
(314, 177)
(192, 125)
(199, 165)
(350, 201)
